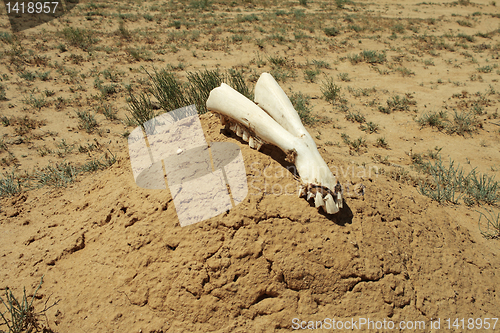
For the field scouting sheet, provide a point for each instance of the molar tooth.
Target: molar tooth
(310, 195)
(258, 145)
(339, 199)
(318, 201)
(331, 207)
(245, 135)
(251, 142)
(233, 127)
(239, 131)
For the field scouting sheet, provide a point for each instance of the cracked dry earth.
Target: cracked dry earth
(116, 258)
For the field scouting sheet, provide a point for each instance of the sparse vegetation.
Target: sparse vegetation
(20, 315)
(450, 183)
(490, 227)
(398, 103)
(330, 91)
(87, 121)
(355, 117)
(462, 123)
(81, 38)
(346, 66)
(355, 146)
(381, 143)
(301, 103)
(433, 119)
(369, 127)
(369, 56)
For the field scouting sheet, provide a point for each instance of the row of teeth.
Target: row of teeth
(241, 131)
(330, 203)
(326, 200)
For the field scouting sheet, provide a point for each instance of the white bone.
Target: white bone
(310, 195)
(270, 97)
(331, 207)
(318, 201)
(275, 122)
(245, 135)
(233, 126)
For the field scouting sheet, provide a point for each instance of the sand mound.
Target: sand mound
(117, 259)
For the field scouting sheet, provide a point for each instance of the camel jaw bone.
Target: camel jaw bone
(275, 121)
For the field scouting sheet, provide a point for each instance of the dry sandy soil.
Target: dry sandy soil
(114, 255)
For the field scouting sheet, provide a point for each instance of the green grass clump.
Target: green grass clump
(277, 61)
(200, 4)
(369, 127)
(87, 121)
(59, 175)
(433, 119)
(301, 103)
(310, 74)
(397, 103)
(447, 183)
(82, 38)
(344, 77)
(371, 57)
(331, 32)
(108, 111)
(20, 315)
(485, 69)
(6, 37)
(464, 23)
(492, 227)
(247, 18)
(450, 183)
(36, 102)
(140, 109)
(200, 85)
(463, 123)
(482, 188)
(354, 145)
(167, 89)
(355, 117)
(172, 94)
(9, 185)
(321, 64)
(330, 91)
(3, 94)
(381, 143)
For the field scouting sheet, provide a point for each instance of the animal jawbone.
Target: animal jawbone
(275, 121)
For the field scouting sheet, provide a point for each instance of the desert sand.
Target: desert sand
(114, 256)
